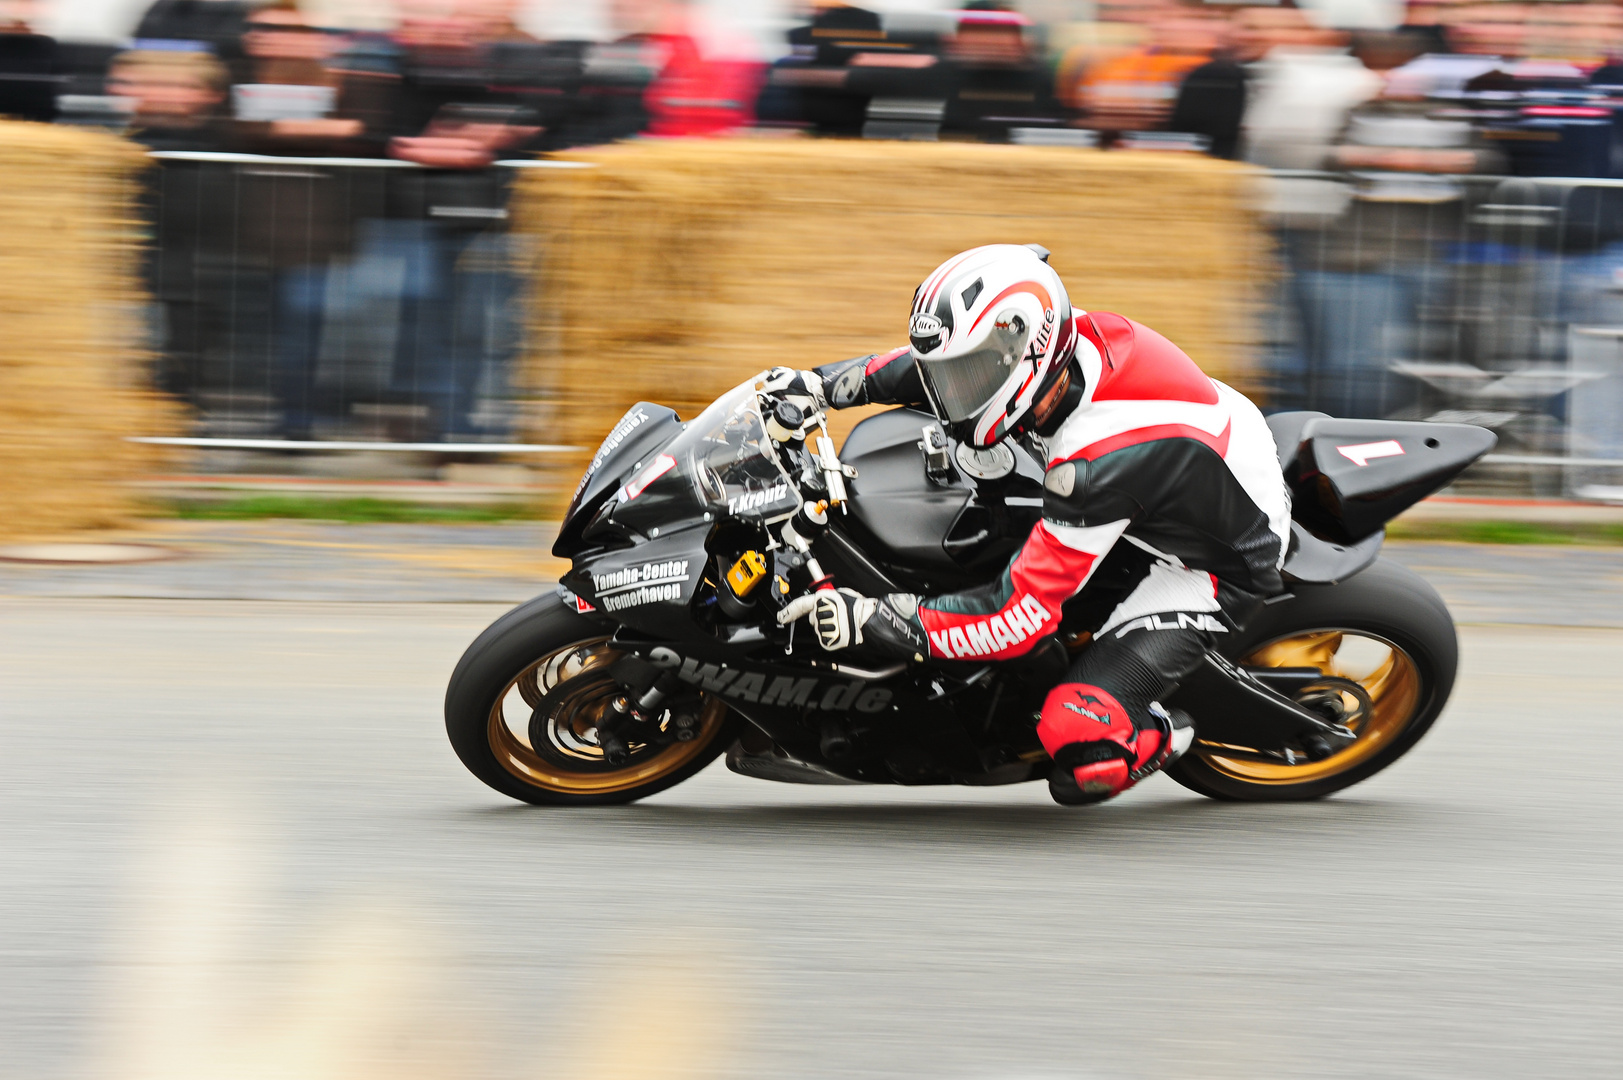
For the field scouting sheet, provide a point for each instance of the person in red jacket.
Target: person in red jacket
(1141, 448)
(693, 94)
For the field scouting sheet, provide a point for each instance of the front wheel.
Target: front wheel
(1384, 641)
(524, 703)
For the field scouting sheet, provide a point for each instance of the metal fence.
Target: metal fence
(1487, 300)
(327, 301)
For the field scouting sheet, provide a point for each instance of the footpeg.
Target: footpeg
(1180, 729)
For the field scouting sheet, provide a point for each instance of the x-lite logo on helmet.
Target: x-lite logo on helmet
(926, 332)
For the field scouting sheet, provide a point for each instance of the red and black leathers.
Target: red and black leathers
(1102, 725)
(1145, 451)
(887, 378)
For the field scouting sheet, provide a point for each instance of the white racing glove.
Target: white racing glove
(804, 388)
(837, 616)
(841, 618)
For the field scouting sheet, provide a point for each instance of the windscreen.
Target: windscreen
(729, 458)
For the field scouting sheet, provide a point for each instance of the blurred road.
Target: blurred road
(236, 843)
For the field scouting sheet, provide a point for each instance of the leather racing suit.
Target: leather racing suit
(1163, 493)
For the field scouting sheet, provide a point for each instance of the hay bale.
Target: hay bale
(673, 270)
(73, 378)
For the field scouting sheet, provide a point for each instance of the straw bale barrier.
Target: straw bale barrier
(72, 374)
(672, 270)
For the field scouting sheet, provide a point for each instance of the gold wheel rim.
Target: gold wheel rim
(508, 729)
(1392, 682)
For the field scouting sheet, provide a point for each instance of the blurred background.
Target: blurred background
(311, 312)
(335, 240)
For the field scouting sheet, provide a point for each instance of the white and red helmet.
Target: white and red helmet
(991, 329)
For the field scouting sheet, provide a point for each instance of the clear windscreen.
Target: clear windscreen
(729, 458)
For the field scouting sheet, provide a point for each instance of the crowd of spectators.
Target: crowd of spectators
(457, 83)
(292, 297)
(260, 263)
(453, 83)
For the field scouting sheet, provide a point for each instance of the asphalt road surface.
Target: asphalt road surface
(235, 843)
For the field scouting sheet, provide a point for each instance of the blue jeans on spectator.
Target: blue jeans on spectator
(454, 293)
(445, 322)
(299, 299)
(1352, 327)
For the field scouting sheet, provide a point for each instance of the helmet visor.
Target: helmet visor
(962, 385)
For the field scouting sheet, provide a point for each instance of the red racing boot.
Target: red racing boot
(1098, 751)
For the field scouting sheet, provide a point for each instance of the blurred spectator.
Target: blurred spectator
(1362, 278)
(815, 86)
(175, 95)
(1487, 29)
(457, 121)
(449, 115)
(296, 221)
(1085, 46)
(693, 94)
(290, 105)
(656, 77)
(1136, 92)
(218, 24)
(1211, 99)
(1383, 51)
(28, 65)
(1305, 85)
(1584, 34)
(996, 79)
(1423, 23)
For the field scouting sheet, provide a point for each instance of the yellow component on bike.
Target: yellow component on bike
(747, 572)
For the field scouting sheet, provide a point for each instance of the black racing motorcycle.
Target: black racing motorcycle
(660, 649)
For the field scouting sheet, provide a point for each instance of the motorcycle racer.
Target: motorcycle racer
(1172, 475)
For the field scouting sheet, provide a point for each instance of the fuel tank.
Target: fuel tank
(934, 533)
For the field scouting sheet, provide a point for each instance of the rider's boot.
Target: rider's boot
(1098, 750)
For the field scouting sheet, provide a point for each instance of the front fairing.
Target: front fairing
(638, 434)
(644, 550)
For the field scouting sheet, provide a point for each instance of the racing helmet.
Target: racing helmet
(990, 331)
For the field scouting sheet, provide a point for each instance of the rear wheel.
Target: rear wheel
(523, 709)
(1384, 641)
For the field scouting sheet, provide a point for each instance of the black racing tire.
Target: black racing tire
(487, 676)
(1386, 602)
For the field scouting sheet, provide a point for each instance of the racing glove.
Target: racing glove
(842, 618)
(803, 388)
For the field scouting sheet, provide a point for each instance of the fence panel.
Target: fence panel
(377, 302)
(1451, 299)
(330, 298)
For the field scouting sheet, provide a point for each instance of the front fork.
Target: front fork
(639, 713)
